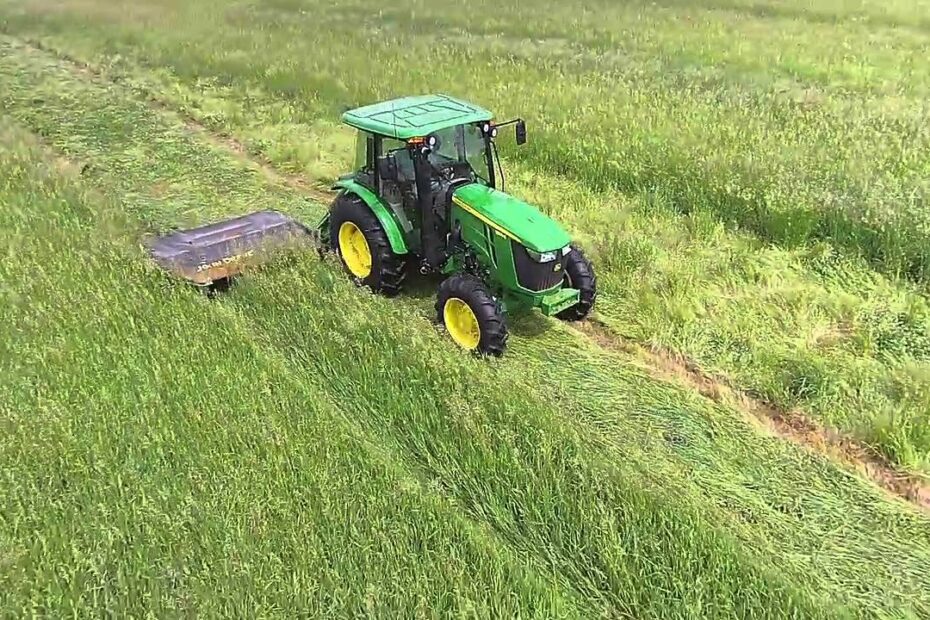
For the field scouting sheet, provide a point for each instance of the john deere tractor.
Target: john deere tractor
(426, 195)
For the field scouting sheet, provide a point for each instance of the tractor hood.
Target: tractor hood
(518, 220)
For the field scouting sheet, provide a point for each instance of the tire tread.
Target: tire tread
(388, 270)
(491, 318)
(579, 273)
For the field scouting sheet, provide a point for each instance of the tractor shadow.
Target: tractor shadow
(529, 324)
(422, 289)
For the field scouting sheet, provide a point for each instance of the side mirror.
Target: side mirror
(387, 167)
(521, 132)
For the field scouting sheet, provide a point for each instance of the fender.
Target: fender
(394, 234)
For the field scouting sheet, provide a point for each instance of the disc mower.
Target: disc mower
(426, 195)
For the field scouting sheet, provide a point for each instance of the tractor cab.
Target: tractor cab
(454, 134)
(424, 192)
(459, 152)
(412, 152)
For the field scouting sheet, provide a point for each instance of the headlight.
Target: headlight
(566, 250)
(544, 257)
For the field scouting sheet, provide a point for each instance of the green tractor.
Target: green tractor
(424, 196)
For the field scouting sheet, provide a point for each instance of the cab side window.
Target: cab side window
(405, 168)
(365, 159)
(361, 150)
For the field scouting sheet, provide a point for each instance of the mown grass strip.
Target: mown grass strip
(799, 328)
(236, 487)
(632, 422)
(158, 460)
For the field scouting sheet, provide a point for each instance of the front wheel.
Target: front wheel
(579, 274)
(471, 315)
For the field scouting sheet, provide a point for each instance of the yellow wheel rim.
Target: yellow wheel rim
(354, 250)
(461, 323)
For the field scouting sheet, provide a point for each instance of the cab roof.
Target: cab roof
(411, 117)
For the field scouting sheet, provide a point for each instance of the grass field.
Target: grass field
(750, 178)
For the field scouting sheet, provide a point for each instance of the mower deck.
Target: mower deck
(216, 252)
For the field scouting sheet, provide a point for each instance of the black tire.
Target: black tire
(492, 322)
(218, 287)
(388, 269)
(579, 274)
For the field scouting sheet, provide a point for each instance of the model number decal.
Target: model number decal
(225, 261)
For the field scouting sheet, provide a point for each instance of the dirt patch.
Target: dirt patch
(660, 363)
(793, 425)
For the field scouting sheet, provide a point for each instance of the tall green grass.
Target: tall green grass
(796, 129)
(300, 445)
(653, 130)
(163, 457)
(159, 460)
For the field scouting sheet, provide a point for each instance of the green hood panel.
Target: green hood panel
(513, 217)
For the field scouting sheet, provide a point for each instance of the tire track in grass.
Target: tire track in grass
(662, 363)
(783, 501)
(792, 425)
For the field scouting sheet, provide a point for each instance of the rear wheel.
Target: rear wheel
(579, 274)
(360, 240)
(471, 315)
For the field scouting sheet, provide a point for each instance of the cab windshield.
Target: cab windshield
(461, 147)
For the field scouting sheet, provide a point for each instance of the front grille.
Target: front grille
(537, 276)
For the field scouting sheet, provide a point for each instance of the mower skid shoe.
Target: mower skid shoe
(219, 251)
